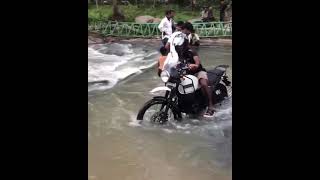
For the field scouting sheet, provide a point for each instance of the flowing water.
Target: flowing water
(120, 77)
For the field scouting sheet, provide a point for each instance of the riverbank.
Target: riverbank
(95, 38)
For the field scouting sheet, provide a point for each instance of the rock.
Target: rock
(95, 39)
(156, 20)
(195, 20)
(144, 19)
(150, 21)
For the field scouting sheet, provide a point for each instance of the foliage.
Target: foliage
(131, 11)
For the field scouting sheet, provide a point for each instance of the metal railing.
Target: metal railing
(149, 30)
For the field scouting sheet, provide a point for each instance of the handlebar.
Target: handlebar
(185, 68)
(182, 67)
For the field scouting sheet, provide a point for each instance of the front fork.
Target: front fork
(171, 101)
(167, 107)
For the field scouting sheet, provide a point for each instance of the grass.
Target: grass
(131, 11)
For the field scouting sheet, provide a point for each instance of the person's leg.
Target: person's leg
(204, 83)
(207, 91)
(159, 72)
(221, 16)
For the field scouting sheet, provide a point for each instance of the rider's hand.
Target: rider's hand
(193, 67)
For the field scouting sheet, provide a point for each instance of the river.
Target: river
(120, 76)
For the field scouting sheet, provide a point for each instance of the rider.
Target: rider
(164, 50)
(179, 26)
(179, 29)
(194, 39)
(181, 46)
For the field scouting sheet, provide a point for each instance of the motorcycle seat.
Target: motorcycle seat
(214, 75)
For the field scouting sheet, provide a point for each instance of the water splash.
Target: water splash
(111, 63)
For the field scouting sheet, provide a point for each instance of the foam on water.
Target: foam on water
(113, 62)
(198, 126)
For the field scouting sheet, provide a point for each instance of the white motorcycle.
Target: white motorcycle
(183, 94)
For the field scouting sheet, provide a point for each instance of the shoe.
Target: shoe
(209, 113)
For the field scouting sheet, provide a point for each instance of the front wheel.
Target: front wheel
(153, 112)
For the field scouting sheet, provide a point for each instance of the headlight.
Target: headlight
(164, 76)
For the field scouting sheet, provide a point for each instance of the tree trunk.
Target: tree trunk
(117, 15)
(193, 3)
(97, 4)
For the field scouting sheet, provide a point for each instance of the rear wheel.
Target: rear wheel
(153, 112)
(220, 93)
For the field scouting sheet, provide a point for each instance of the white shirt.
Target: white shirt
(173, 35)
(173, 40)
(193, 38)
(166, 26)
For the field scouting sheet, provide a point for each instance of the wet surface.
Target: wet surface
(120, 148)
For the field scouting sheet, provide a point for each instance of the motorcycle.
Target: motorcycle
(183, 94)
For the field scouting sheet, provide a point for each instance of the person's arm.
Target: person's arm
(167, 46)
(195, 66)
(173, 27)
(197, 37)
(205, 14)
(189, 38)
(201, 14)
(197, 41)
(160, 26)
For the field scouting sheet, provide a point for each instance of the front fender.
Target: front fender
(163, 88)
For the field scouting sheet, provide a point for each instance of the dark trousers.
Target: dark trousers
(221, 16)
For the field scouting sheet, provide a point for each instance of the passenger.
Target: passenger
(162, 58)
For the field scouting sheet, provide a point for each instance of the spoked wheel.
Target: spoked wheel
(159, 117)
(153, 113)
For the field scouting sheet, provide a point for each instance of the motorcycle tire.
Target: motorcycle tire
(151, 103)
